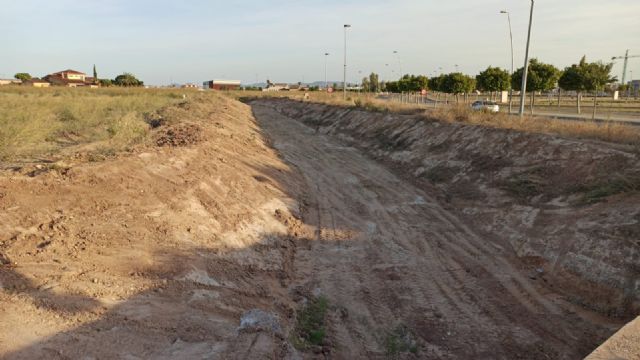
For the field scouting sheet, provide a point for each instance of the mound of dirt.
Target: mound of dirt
(179, 135)
(154, 254)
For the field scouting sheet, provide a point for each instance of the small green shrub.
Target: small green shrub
(310, 329)
(600, 191)
(400, 340)
(66, 115)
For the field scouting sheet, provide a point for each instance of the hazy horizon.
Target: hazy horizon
(163, 42)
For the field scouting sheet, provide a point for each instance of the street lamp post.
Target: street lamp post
(510, 36)
(526, 64)
(326, 85)
(399, 62)
(344, 75)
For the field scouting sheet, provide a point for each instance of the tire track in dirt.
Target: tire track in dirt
(410, 262)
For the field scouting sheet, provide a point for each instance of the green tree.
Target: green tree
(413, 83)
(22, 76)
(127, 79)
(95, 74)
(493, 79)
(586, 76)
(572, 79)
(435, 83)
(623, 88)
(541, 77)
(458, 83)
(392, 86)
(374, 82)
(366, 86)
(105, 82)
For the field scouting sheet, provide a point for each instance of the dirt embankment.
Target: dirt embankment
(568, 209)
(156, 253)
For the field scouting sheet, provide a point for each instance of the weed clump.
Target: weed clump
(598, 192)
(310, 329)
(400, 340)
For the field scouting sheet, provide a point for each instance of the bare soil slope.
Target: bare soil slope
(567, 208)
(155, 254)
(404, 261)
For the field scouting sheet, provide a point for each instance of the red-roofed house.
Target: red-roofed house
(70, 78)
(70, 75)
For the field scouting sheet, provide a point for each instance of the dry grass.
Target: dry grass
(39, 124)
(614, 132)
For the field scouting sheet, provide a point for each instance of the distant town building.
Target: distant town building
(634, 85)
(276, 87)
(222, 84)
(189, 86)
(70, 78)
(10, 82)
(298, 87)
(35, 82)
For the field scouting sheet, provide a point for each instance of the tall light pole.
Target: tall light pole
(399, 62)
(326, 85)
(344, 75)
(526, 64)
(510, 36)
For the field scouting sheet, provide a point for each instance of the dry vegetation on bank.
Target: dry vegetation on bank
(614, 132)
(39, 124)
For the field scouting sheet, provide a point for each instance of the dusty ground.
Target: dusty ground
(625, 344)
(163, 253)
(566, 207)
(155, 254)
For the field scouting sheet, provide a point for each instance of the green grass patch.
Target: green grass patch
(370, 106)
(400, 340)
(310, 329)
(597, 192)
(526, 185)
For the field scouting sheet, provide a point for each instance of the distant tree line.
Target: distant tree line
(542, 77)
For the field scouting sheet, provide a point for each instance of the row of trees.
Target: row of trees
(126, 79)
(408, 83)
(541, 77)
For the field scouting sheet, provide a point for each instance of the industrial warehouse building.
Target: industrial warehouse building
(222, 84)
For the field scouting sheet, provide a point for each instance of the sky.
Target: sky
(165, 42)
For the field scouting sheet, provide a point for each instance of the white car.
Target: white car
(484, 105)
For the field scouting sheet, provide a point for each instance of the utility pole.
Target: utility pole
(511, 37)
(344, 75)
(523, 92)
(326, 85)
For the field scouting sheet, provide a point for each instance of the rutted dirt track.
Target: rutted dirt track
(392, 256)
(167, 253)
